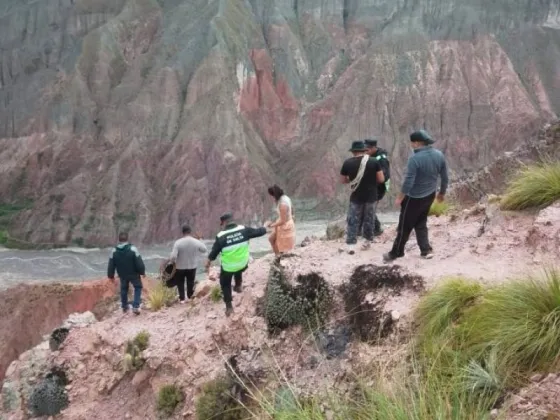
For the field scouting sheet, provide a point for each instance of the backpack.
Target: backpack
(381, 157)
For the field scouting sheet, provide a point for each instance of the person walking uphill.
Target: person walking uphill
(186, 253)
(418, 193)
(380, 155)
(233, 243)
(363, 174)
(126, 260)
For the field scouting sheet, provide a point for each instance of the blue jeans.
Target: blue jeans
(137, 284)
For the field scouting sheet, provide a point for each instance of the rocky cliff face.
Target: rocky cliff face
(145, 114)
(28, 312)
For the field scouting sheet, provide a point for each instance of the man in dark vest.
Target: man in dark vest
(379, 155)
(417, 194)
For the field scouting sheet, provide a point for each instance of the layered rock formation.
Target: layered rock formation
(145, 114)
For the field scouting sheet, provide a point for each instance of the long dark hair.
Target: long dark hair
(276, 192)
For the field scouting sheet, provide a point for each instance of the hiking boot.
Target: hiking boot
(136, 311)
(237, 288)
(125, 310)
(229, 309)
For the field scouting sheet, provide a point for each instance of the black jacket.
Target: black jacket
(127, 261)
(382, 157)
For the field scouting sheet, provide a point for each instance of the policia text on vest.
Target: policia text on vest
(233, 244)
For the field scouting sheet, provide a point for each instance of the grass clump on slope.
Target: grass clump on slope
(160, 296)
(535, 186)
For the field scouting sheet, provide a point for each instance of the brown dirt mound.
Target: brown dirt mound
(366, 295)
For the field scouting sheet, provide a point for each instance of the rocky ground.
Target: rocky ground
(190, 344)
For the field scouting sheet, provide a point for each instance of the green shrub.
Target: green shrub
(169, 397)
(520, 321)
(133, 359)
(307, 304)
(216, 294)
(535, 186)
(49, 397)
(439, 208)
(217, 402)
(142, 340)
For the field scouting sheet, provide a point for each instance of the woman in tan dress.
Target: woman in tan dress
(283, 237)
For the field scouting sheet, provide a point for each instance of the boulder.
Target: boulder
(336, 229)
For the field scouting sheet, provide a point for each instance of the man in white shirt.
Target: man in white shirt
(186, 254)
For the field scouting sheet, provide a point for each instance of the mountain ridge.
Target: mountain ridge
(143, 114)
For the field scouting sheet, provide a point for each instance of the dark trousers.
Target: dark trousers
(360, 216)
(137, 284)
(225, 283)
(189, 276)
(414, 215)
(377, 224)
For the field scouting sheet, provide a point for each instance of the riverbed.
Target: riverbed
(79, 264)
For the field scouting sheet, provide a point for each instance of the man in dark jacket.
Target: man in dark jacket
(233, 243)
(127, 261)
(380, 155)
(418, 192)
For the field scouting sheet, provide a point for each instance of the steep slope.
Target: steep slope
(144, 114)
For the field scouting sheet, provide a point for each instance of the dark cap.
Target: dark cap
(370, 142)
(226, 217)
(422, 136)
(358, 146)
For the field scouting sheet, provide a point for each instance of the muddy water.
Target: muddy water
(73, 264)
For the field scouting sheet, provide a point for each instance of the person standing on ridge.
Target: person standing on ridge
(363, 174)
(283, 238)
(418, 193)
(233, 243)
(380, 155)
(127, 261)
(186, 253)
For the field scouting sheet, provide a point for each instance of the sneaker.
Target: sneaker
(136, 311)
(427, 256)
(182, 302)
(350, 249)
(366, 245)
(237, 288)
(229, 310)
(388, 257)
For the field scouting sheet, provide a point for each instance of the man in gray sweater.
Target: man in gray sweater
(186, 254)
(418, 192)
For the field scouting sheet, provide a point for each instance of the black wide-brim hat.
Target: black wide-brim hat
(358, 146)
